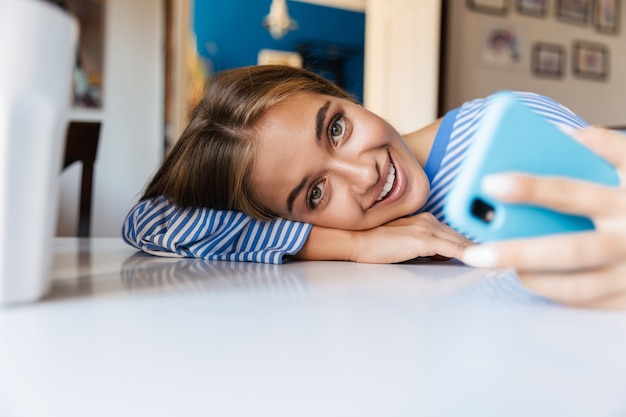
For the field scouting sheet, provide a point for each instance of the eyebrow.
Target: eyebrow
(319, 125)
(294, 193)
(319, 120)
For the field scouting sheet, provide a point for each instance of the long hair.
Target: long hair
(209, 165)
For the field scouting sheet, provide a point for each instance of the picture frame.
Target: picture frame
(574, 11)
(606, 16)
(505, 46)
(497, 7)
(548, 60)
(590, 60)
(535, 8)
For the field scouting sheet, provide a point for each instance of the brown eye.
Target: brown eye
(337, 129)
(315, 195)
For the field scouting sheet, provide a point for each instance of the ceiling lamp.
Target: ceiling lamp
(278, 21)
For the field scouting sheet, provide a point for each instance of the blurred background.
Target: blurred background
(142, 65)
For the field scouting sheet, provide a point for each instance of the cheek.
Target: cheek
(418, 192)
(378, 134)
(337, 216)
(353, 218)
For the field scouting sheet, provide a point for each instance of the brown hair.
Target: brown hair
(209, 165)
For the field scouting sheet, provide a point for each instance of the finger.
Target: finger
(447, 244)
(447, 233)
(441, 240)
(420, 248)
(594, 287)
(561, 194)
(564, 252)
(436, 228)
(609, 144)
(444, 247)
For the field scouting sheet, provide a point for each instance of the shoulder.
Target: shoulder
(547, 107)
(552, 110)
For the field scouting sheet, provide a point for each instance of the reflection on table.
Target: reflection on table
(124, 333)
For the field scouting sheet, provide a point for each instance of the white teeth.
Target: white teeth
(391, 178)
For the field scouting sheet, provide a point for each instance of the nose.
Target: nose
(358, 174)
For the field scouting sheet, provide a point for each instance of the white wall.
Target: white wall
(131, 141)
(469, 77)
(402, 61)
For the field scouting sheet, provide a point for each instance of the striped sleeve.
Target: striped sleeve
(160, 228)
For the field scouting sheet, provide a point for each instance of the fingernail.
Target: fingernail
(498, 185)
(480, 256)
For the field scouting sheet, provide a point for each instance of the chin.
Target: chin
(416, 197)
(418, 192)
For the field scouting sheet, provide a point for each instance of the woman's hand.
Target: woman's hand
(582, 269)
(407, 238)
(397, 241)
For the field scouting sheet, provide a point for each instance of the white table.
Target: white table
(126, 334)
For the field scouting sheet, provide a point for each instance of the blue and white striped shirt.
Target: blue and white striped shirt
(157, 227)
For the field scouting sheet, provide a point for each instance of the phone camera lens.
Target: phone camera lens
(483, 211)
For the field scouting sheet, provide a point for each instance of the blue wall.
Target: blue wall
(230, 34)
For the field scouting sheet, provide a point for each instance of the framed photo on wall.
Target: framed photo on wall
(606, 16)
(574, 11)
(590, 60)
(499, 7)
(548, 60)
(537, 8)
(505, 47)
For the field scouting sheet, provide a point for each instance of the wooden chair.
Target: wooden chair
(81, 145)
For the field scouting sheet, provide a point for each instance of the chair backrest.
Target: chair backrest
(81, 145)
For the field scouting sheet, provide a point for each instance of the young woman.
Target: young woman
(271, 151)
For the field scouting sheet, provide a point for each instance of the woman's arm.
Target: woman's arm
(397, 241)
(583, 269)
(160, 228)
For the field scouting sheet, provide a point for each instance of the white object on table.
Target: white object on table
(37, 51)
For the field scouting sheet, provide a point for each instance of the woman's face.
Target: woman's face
(330, 162)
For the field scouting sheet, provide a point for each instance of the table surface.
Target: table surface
(126, 334)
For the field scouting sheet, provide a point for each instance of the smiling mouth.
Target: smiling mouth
(391, 180)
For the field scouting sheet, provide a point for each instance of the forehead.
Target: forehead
(286, 148)
(294, 109)
(289, 122)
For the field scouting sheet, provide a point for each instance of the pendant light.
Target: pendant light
(278, 22)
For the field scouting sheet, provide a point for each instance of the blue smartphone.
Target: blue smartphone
(514, 138)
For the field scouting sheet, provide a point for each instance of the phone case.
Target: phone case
(513, 137)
